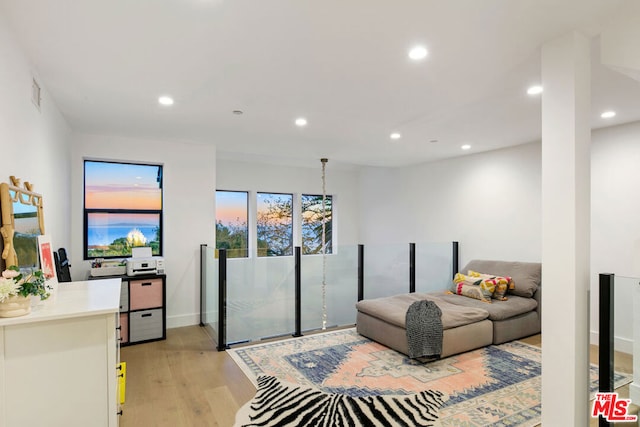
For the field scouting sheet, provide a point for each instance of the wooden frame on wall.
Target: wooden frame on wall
(15, 197)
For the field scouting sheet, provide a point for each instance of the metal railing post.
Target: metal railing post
(360, 272)
(454, 259)
(605, 337)
(412, 267)
(222, 299)
(298, 300)
(203, 281)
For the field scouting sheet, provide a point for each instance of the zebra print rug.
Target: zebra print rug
(281, 404)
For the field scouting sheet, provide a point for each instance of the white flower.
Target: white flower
(7, 288)
(10, 274)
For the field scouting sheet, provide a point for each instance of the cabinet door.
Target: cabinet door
(146, 325)
(124, 328)
(60, 369)
(145, 293)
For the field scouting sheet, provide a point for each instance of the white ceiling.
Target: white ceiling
(342, 64)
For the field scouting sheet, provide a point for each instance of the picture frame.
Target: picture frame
(47, 265)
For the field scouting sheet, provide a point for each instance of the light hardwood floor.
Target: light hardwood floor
(184, 381)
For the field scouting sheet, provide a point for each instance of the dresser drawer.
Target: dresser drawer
(145, 293)
(124, 328)
(124, 296)
(145, 325)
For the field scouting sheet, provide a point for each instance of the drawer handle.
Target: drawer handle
(146, 284)
(119, 412)
(147, 315)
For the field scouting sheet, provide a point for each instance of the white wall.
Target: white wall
(189, 172)
(35, 145)
(489, 202)
(615, 221)
(342, 183)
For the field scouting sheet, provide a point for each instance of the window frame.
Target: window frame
(88, 211)
(332, 233)
(293, 223)
(248, 248)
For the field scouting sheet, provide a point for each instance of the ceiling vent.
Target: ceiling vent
(35, 94)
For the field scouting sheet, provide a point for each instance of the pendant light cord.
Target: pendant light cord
(324, 242)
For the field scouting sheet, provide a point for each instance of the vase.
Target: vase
(15, 305)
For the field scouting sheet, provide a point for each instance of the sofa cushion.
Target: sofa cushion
(393, 309)
(526, 275)
(499, 310)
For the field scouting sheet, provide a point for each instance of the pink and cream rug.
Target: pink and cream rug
(495, 385)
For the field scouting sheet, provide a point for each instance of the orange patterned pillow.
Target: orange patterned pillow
(472, 287)
(500, 283)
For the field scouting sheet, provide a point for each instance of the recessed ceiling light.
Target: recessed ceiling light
(418, 52)
(301, 121)
(466, 147)
(395, 135)
(535, 90)
(608, 114)
(165, 100)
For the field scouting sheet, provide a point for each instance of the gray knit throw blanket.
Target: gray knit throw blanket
(424, 329)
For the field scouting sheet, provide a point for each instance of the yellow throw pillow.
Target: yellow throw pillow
(500, 284)
(472, 287)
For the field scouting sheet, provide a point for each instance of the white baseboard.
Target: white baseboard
(634, 393)
(624, 345)
(183, 320)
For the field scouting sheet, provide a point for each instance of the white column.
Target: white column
(566, 209)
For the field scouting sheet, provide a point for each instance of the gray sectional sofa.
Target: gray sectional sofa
(467, 323)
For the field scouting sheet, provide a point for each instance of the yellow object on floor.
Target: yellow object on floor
(122, 380)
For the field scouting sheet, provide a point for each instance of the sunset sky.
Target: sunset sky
(113, 219)
(121, 186)
(231, 207)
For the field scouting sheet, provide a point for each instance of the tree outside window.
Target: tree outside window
(274, 224)
(312, 217)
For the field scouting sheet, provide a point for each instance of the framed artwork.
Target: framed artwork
(47, 265)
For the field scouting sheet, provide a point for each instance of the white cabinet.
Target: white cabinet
(58, 364)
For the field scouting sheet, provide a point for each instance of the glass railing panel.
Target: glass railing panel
(434, 266)
(626, 333)
(341, 288)
(625, 289)
(209, 273)
(386, 270)
(260, 298)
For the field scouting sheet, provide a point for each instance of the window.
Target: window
(122, 208)
(232, 229)
(312, 214)
(275, 224)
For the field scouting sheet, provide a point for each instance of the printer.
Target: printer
(139, 265)
(141, 262)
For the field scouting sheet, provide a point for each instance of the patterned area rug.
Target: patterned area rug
(494, 386)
